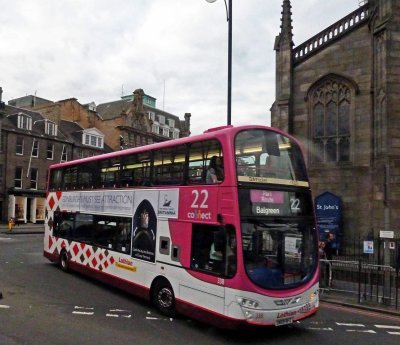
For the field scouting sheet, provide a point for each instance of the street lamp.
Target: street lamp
(228, 7)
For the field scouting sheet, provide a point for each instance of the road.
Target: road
(43, 305)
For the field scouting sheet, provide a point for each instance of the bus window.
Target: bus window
(200, 154)
(270, 156)
(113, 233)
(55, 182)
(87, 176)
(109, 172)
(70, 178)
(63, 224)
(169, 166)
(83, 227)
(214, 249)
(136, 170)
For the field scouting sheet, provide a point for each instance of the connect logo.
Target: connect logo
(198, 214)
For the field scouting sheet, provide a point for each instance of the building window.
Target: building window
(93, 140)
(18, 177)
(35, 148)
(152, 116)
(175, 134)
(1, 173)
(64, 155)
(166, 132)
(171, 123)
(50, 151)
(51, 128)
(34, 178)
(331, 121)
(20, 146)
(156, 129)
(161, 119)
(24, 122)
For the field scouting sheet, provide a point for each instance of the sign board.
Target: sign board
(386, 234)
(328, 210)
(368, 247)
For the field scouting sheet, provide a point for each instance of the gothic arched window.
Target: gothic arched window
(331, 121)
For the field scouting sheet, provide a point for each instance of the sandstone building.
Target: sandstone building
(338, 93)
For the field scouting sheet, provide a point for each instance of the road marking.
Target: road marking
(78, 312)
(3, 306)
(361, 331)
(82, 312)
(387, 327)
(119, 313)
(320, 328)
(350, 324)
(394, 333)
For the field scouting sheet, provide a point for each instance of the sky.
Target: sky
(175, 50)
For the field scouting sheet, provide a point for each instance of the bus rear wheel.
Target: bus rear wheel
(163, 298)
(64, 261)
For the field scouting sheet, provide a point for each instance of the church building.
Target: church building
(339, 94)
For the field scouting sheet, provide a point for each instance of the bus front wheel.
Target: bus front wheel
(163, 298)
(64, 263)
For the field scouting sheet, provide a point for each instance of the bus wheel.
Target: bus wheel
(163, 298)
(64, 263)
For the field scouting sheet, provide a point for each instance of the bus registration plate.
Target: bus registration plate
(285, 321)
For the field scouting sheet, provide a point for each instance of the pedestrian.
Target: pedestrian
(329, 250)
(329, 246)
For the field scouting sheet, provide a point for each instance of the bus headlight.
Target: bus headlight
(313, 295)
(248, 303)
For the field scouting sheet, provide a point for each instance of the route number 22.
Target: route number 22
(200, 198)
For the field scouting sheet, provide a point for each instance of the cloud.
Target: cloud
(95, 50)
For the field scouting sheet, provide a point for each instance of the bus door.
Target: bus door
(213, 260)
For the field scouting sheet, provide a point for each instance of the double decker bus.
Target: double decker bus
(236, 252)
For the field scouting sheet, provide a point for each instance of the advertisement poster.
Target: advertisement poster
(145, 226)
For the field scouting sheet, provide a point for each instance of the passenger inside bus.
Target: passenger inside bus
(215, 172)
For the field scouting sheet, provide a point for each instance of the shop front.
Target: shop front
(26, 206)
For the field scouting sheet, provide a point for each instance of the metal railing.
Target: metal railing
(368, 283)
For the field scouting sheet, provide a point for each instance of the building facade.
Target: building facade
(131, 121)
(29, 144)
(338, 93)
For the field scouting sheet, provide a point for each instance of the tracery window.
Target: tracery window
(331, 121)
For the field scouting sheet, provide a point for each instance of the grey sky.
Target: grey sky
(94, 50)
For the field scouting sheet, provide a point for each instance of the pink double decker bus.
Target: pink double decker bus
(219, 227)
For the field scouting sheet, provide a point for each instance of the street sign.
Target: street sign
(368, 247)
(386, 234)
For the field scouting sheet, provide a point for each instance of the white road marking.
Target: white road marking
(3, 306)
(86, 308)
(387, 327)
(350, 324)
(320, 328)
(361, 331)
(77, 312)
(394, 333)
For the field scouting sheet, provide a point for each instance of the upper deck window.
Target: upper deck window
(269, 157)
(24, 122)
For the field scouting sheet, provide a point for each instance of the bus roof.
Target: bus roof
(208, 134)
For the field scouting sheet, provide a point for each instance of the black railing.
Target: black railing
(333, 32)
(364, 282)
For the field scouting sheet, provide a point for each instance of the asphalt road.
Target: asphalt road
(43, 305)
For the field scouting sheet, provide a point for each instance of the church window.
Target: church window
(331, 118)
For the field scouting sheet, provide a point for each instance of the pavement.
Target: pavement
(21, 229)
(326, 295)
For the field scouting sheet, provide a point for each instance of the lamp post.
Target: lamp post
(228, 7)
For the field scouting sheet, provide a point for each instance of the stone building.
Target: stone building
(29, 144)
(338, 93)
(132, 121)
